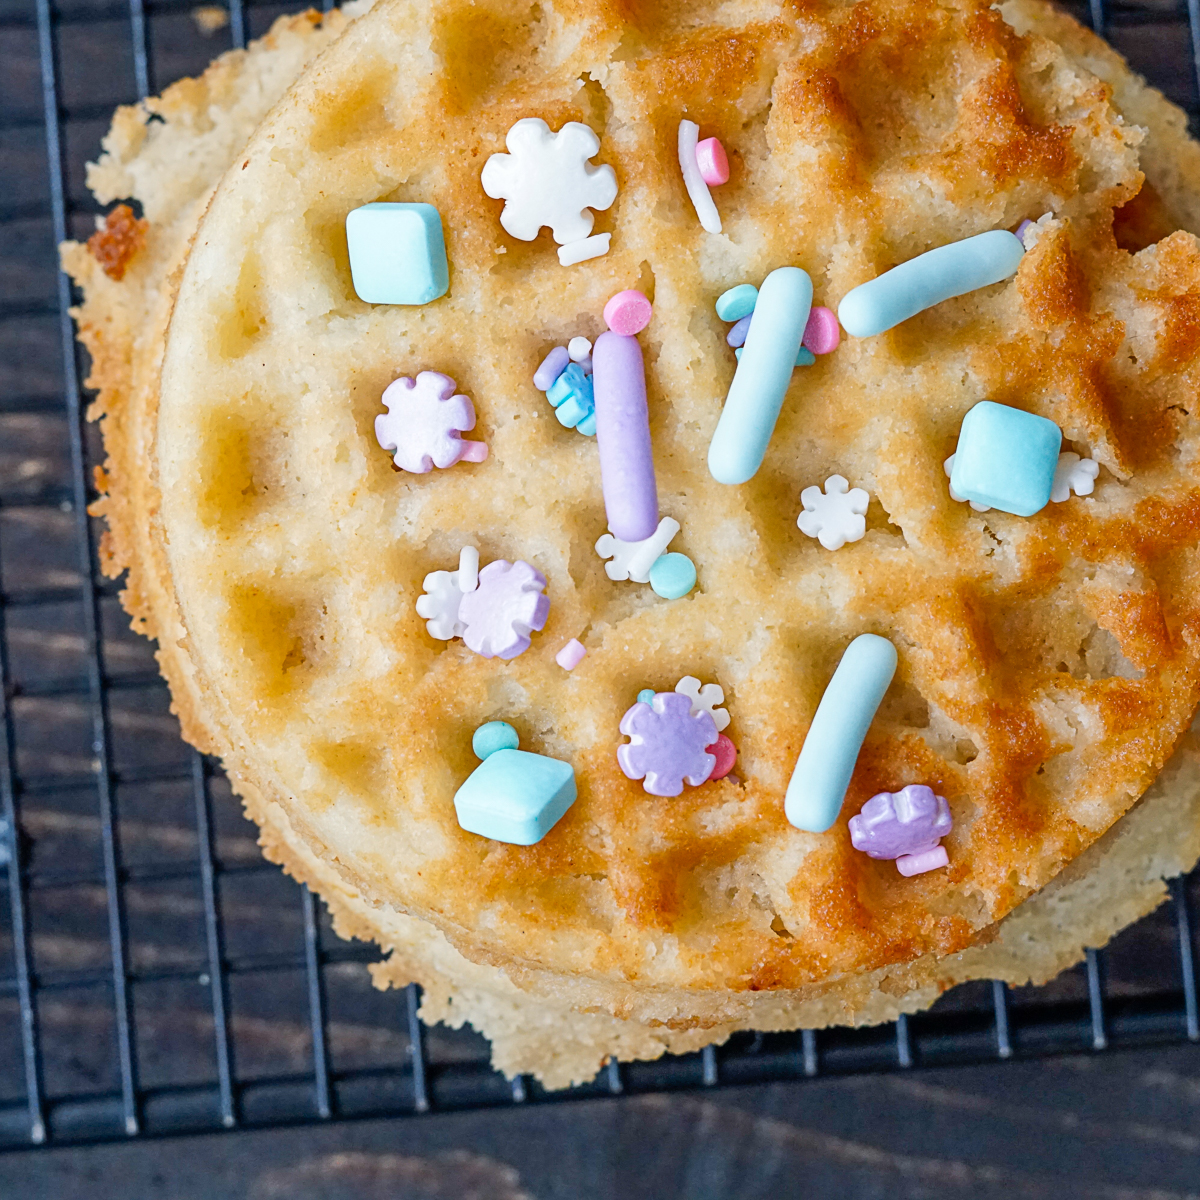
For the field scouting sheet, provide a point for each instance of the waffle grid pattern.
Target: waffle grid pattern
(34, 1108)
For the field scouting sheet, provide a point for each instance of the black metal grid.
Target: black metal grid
(1150, 995)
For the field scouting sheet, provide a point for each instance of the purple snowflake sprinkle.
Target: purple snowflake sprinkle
(502, 611)
(668, 744)
(893, 824)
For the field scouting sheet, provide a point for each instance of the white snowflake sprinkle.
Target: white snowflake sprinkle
(948, 467)
(633, 560)
(705, 699)
(1073, 474)
(443, 594)
(546, 179)
(835, 516)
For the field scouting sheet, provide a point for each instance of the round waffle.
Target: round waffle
(545, 877)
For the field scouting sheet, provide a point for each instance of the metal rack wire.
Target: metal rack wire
(991, 1023)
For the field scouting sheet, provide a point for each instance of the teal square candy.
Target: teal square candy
(1006, 458)
(515, 797)
(397, 253)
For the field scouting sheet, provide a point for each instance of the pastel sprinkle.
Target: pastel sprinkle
(627, 312)
(1006, 458)
(673, 576)
(1024, 227)
(693, 180)
(668, 744)
(397, 253)
(893, 824)
(927, 860)
(763, 373)
(516, 797)
(623, 437)
(423, 422)
(736, 337)
(826, 763)
(725, 752)
(580, 349)
(571, 655)
(928, 279)
(713, 162)
(580, 251)
(506, 606)
(737, 302)
(646, 696)
(552, 367)
(571, 396)
(633, 560)
(495, 735)
(822, 333)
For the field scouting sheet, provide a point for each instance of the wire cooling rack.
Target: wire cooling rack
(156, 974)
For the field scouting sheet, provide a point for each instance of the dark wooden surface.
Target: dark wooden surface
(1111, 1125)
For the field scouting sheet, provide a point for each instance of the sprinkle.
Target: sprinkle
(835, 516)
(822, 334)
(495, 735)
(697, 189)
(762, 376)
(713, 162)
(725, 752)
(627, 312)
(581, 251)
(571, 655)
(633, 560)
(500, 613)
(737, 302)
(1022, 229)
(443, 593)
(1006, 458)
(918, 864)
(397, 253)
(580, 349)
(1073, 474)
(423, 421)
(552, 367)
(893, 824)
(826, 763)
(646, 696)
(928, 279)
(623, 437)
(948, 467)
(707, 699)
(736, 337)
(573, 401)
(514, 796)
(673, 576)
(668, 744)
(547, 180)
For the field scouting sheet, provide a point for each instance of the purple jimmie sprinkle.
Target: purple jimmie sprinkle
(893, 824)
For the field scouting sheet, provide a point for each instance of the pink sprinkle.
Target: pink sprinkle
(725, 753)
(927, 860)
(474, 451)
(713, 162)
(822, 333)
(571, 655)
(628, 312)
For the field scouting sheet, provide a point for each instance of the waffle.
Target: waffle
(818, 977)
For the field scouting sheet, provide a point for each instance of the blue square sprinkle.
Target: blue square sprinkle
(397, 253)
(516, 797)
(1006, 458)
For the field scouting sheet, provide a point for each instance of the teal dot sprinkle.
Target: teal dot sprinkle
(673, 576)
(738, 302)
(495, 735)
(646, 695)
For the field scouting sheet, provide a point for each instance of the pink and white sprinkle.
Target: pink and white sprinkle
(571, 655)
(628, 312)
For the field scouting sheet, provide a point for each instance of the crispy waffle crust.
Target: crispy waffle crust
(642, 924)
